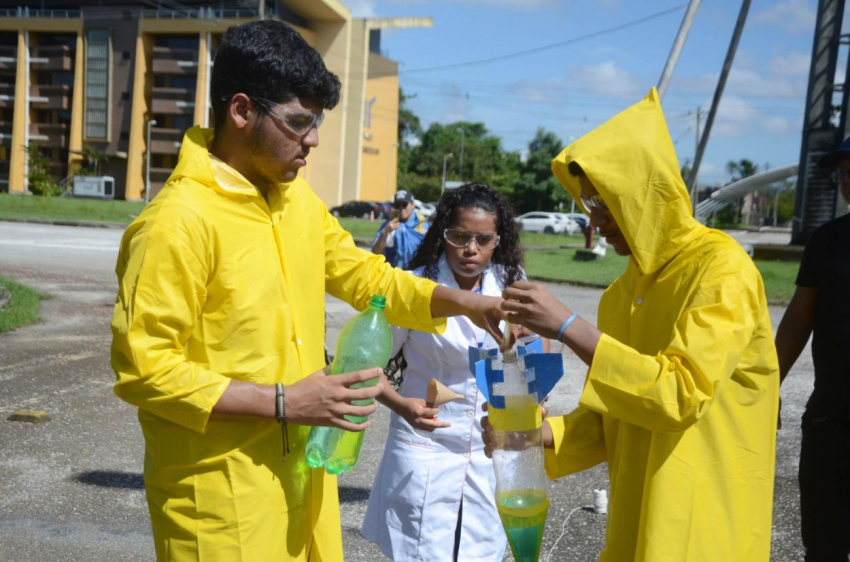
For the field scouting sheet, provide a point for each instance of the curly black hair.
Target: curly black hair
(508, 253)
(270, 60)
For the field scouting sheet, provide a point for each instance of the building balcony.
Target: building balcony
(8, 58)
(158, 178)
(172, 101)
(48, 135)
(50, 97)
(55, 58)
(5, 134)
(174, 61)
(165, 141)
(7, 95)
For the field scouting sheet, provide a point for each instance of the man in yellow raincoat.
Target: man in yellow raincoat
(222, 283)
(682, 391)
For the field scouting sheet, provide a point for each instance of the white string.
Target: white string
(563, 531)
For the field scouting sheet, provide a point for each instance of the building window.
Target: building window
(97, 84)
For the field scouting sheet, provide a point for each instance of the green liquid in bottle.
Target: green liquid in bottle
(523, 514)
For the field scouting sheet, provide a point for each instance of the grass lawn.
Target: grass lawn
(67, 208)
(553, 264)
(22, 308)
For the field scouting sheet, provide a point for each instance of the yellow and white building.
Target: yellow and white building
(128, 78)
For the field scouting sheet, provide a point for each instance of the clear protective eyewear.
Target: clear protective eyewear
(298, 122)
(462, 238)
(840, 176)
(594, 201)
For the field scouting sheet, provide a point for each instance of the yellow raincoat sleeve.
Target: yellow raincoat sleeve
(354, 275)
(579, 443)
(162, 288)
(670, 391)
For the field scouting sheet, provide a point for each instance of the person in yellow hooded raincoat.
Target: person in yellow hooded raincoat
(222, 282)
(682, 390)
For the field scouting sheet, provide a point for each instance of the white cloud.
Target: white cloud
(794, 16)
(737, 117)
(744, 81)
(607, 79)
(362, 8)
(791, 64)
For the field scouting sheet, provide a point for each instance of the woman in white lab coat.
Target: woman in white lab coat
(433, 498)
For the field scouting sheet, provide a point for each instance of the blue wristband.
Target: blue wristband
(566, 323)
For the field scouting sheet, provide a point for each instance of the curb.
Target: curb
(64, 222)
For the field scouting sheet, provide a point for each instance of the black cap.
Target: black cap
(831, 159)
(402, 199)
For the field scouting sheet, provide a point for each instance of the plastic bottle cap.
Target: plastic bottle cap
(379, 301)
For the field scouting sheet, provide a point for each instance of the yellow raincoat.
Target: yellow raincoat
(682, 395)
(217, 284)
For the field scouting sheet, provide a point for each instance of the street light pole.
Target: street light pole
(462, 138)
(151, 123)
(446, 157)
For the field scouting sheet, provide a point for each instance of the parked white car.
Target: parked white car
(424, 210)
(570, 225)
(537, 221)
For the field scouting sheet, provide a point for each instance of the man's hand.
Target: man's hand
(485, 312)
(534, 307)
(391, 227)
(488, 434)
(324, 400)
(419, 415)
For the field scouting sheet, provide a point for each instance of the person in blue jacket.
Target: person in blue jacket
(399, 238)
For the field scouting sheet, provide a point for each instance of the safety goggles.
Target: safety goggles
(594, 202)
(840, 176)
(298, 122)
(462, 238)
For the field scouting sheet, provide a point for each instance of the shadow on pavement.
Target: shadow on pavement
(353, 494)
(111, 479)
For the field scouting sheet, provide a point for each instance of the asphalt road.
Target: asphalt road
(71, 489)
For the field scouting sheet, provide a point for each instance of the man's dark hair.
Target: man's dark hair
(268, 59)
(575, 169)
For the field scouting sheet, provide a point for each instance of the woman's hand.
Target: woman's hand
(419, 415)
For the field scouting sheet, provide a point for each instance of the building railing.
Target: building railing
(200, 13)
(23, 12)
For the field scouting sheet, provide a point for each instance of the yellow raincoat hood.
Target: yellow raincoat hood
(631, 161)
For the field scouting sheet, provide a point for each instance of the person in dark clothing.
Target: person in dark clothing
(821, 304)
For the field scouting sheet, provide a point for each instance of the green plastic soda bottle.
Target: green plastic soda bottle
(365, 342)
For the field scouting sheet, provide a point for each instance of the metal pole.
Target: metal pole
(678, 44)
(262, 9)
(718, 93)
(462, 137)
(446, 157)
(151, 122)
(695, 190)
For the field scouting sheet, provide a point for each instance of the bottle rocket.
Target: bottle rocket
(522, 497)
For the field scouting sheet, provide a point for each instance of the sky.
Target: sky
(573, 88)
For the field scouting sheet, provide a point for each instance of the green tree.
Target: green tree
(38, 173)
(537, 189)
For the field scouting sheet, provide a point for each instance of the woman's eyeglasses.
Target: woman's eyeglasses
(298, 122)
(462, 238)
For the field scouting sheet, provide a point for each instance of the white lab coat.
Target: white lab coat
(423, 476)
